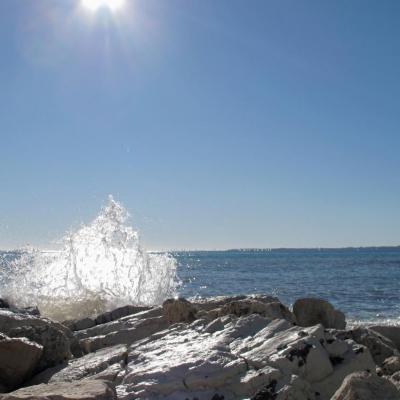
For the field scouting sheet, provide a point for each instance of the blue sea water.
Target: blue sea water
(364, 283)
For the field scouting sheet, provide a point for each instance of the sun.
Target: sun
(94, 5)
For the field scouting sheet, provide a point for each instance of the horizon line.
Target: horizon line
(227, 249)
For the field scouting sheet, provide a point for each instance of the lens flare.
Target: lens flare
(94, 5)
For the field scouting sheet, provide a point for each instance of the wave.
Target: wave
(102, 266)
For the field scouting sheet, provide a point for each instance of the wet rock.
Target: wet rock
(79, 390)
(311, 311)
(380, 347)
(366, 386)
(18, 359)
(28, 310)
(87, 366)
(4, 303)
(179, 310)
(49, 334)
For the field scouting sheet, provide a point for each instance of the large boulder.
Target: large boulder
(179, 310)
(18, 359)
(380, 347)
(271, 310)
(49, 334)
(366, 386)
(391, 332)
(211, 303)
(311, 311)
(78, 390)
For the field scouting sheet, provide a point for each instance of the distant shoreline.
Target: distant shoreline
(245, 249)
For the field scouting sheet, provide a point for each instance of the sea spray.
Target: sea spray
(101, 266)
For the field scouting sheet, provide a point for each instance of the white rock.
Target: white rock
(86, 366)
(80, 390)
(357, 358)
(366, 386)
(18, 359)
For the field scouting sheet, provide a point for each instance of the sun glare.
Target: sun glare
(94, 5)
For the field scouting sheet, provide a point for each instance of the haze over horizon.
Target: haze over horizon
(216, 124)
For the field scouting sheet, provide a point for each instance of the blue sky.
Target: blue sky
(218, 124)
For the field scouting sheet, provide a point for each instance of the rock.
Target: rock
(119, 313)
(380, 347)
(132, 331)
(357, 358)
(179, 310)
(390, 332)
(80, 324)
(391, 365)
(4, 303)
(79, 390)
(122, 323)
(296, 389)
(271, 310)
(187, 362)
(241, 357)
(49, 334)
(212, 303)
(28, 310)
(366, 386)
(87, 366)
(310, 311)
(395, 379)
(19, 357)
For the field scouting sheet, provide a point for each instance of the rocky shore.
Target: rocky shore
(222, 348)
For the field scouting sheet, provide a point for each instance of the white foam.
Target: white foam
(102, 266)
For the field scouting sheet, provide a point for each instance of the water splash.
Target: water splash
(102, 266)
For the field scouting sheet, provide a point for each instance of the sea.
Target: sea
(362, 282)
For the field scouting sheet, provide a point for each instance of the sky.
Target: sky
(217, 124)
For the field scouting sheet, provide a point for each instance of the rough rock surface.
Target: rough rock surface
(390, 332)
(239, 357)
(81, 390)
(49, 334)
(366, 386)
(18, 359)
(124, 332)
(108, 362)
(225, 348)
(391, 365)
(272, 310)
(380, 347)
(179, 310)
(312, 311)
